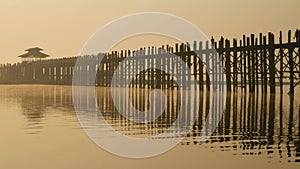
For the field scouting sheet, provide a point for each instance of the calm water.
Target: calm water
(39, 129)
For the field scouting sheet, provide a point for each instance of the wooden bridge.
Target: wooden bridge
(253, 63)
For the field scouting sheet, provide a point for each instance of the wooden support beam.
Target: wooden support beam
(265, 66)
(227, 65)
(249, 66)
(271, 63)
(207, 65)
(235, 60)
(291, 64)
(281, 64)
(244, 64)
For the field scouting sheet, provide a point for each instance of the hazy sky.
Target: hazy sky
(62, 27)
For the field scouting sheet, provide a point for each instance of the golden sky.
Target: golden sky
(62, 27)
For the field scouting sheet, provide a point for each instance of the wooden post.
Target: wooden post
(149, 69)
(177, 64)
(167, 65)
(245, 64)
(196, 65)
(200, 62)
(182, 73)
(281, 63)
(118, 60)
(207, 65)
(158, 71)
(213, 68)
(145, 62)
(171, 65)
(188, 65)
(271, 63)
(113, 61)
(121, 75)
(227, 64)
(265, 64)
(137, 64)
(256, 58)
(163, 64)
(253, 62)
(125, 73)
(129, 64)
(108, 63)
(235, 77)
(240, 62)
(249, 71)
(261, 62)
(152, 65)
(291, 64)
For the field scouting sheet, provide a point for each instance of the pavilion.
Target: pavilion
(33, 54)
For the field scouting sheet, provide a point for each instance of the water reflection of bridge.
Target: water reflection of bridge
(252, 124)
(253, 63)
